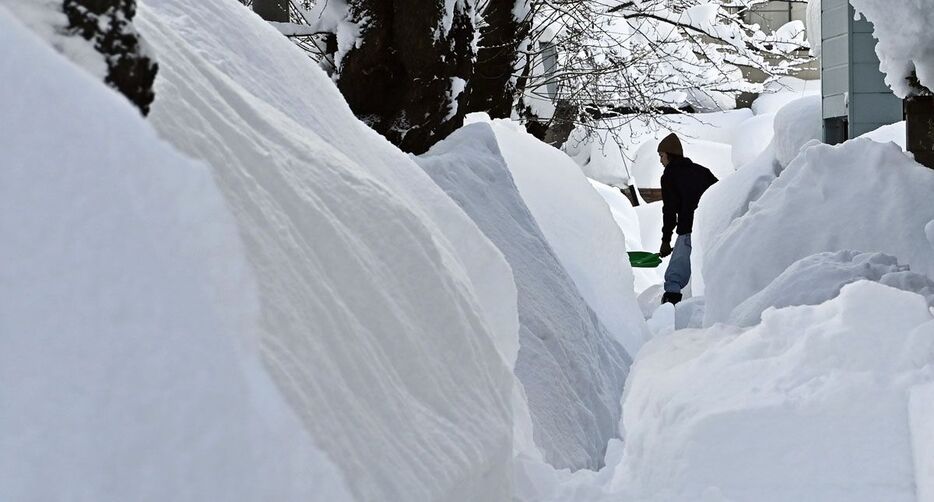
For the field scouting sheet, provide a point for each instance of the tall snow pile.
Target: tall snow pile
(631, 222)
(796, 123)
(387, 318)
(128, 315)
(579, 228)
(810, 404)
(905, 41)
(861, 195)
(572, 369)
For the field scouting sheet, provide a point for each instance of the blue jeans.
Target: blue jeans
(679, 266)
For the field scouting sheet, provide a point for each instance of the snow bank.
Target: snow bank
(812, 404)
(818, 278)
(579, 228)
(752, 138)
(905, 41)
(572, 370)
(718, 157)
(388, 319)
(783, 91)
(129, 368)
(629, 222)
(599, 156)
(921, 410)
(623, 213)
(609, 157)
(794, 126)
(892, 133)
(860, 195)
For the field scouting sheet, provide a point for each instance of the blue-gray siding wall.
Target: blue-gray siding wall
(835, 56)
(853, 87)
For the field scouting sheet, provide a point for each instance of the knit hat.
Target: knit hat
(671, 144)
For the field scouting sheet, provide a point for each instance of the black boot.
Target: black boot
(672, 298)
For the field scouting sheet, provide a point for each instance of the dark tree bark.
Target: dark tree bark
(272, 10)
(109, 25)
(565, 118)
(494, 89)
(399, 80)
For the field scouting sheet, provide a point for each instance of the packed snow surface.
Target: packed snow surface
(387, 318)
(572, 370)
(128, 314)
(861, 195)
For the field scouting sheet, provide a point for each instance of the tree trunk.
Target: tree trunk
(562, 123)
(919, 115)
(494, 87)
(405, 76)
(272, 10)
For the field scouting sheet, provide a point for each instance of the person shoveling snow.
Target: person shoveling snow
(683, 183)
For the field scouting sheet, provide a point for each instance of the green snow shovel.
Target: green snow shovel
(644, 259)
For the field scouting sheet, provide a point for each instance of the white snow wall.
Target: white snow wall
(572, 369)
(129, 368)
(869, 197)
(388, 319)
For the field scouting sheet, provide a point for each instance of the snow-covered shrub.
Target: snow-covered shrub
(905, 41)
(108, 24)
(129, 368)
(860, 195)
(387, 318)
(811, 404)
(97, 35)
(572, 370)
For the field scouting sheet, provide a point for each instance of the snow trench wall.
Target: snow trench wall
(387, 318)
(572, 370)
(129, 367)
(578, 226)
(810, 404)
(871, 197)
